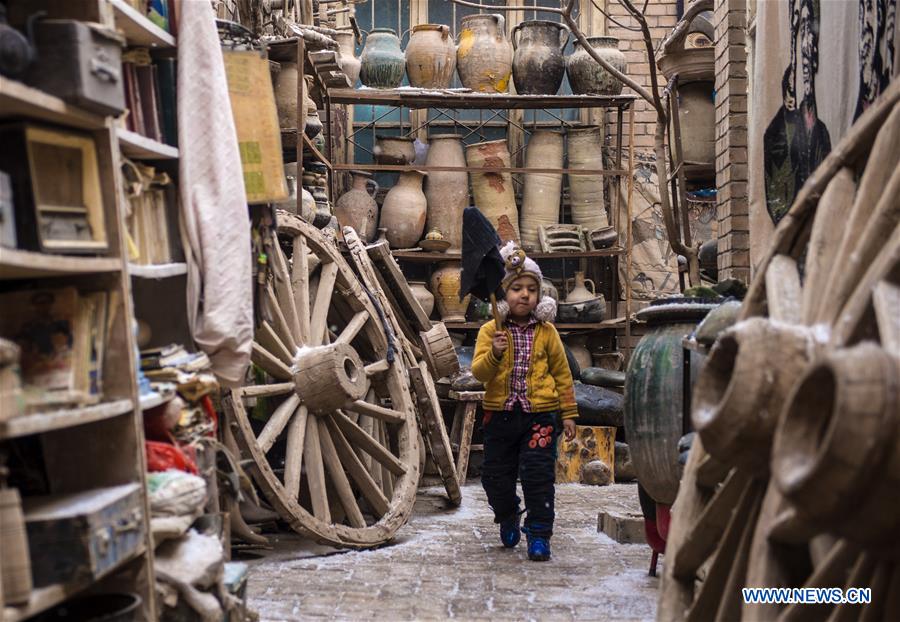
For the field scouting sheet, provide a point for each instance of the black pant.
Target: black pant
(523, 444)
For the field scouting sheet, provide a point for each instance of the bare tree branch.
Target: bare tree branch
(614, 20)
(539, 9)
(681, 28)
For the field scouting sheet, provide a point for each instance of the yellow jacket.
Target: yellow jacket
(548, 384)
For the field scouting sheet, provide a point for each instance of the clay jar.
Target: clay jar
(580, 293)
(538, 63)
(697, 115)
(382, 64)
(586, 191)
(445, 287)
(493, 192)
(286, 95)
(357, 207)
(425, 297)
(430, 57)
(346, 40)
(403, 211)
(447, 192)
(540, 199)
(394, 150)
(578, 347)
(484, 55)
(586, 76)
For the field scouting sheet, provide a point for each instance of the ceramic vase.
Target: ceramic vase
(350, 65)
(403, 211)
(430, 57)
(540, 197)
(394, 149)
(538, 62)
(286, 95)
(586, 194)
(580, 293)
(357, 207)
(587, 76)
(445, 287)
(493, 192)
(484, 55)
(578, 347)
(447, 192)
(425, 297)
(382, 63)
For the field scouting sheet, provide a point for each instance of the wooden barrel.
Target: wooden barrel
(654, 394)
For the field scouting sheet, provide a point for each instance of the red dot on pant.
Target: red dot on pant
(542, 442)
(536, 426)
(532, 443)
(545, 431)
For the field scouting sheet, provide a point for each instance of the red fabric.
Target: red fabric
(656, 543)
(165, 456)
(663, 517)
(207, 406)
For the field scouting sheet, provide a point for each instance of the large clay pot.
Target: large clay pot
(394, 149)
(578, 347)
(697, 117)
(286, 95)
(445, 287)
(540, 198)
(403, 211)
(447, 192)
(493, 192)
(382, 63)
(357, 207)
(346, 40)
(586, 191)
(654, 394)
(430, 57)
(484, 56)
(586, 76)
(538, 63)
(425, 297)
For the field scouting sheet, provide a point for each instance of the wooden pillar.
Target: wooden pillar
(418, 14)
(514, 135)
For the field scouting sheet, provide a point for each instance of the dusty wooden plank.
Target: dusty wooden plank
(339, 478)
(269, 363)
(293, 459)
(277, 420)
(378, 412)
(319, 317)
(368, 487)
(315, 471)
(369, 444)
(396, 283)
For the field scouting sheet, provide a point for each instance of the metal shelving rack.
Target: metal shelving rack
(446, 100)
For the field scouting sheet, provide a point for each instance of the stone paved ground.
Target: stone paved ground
(449, 564)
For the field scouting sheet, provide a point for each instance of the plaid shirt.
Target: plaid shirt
(522, 342)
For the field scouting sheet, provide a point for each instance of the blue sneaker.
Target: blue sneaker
(538, 547)
(510, 533)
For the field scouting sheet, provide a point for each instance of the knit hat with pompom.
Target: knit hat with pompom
(518, 264)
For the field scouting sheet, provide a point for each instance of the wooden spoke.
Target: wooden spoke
(319, 319)
(892, 596)
(886, 299)
(371, 445)
(339, 478)
(284, 293)
(730, 605)
(825, 238)
(353, 327)
(378, 367)
(783, 290)
(860, 575)
(830, 573)
(267, 338)
(370, 490)
(274, 426)
(315, 471)
(300, 285)
(269, 363)
(266, 390)
(293, 459)
(379, 412)
(739, 523)
(279, 323)
(706, 532)
(387, 478)
(711, 472)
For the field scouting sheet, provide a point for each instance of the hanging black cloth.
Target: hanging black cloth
(482, 267)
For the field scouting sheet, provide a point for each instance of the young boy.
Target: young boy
(528, 387)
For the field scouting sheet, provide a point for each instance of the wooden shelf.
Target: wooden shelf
(157, 399)
(19, 100)
(461, 99)
(468, 169)
(159, 271)
(139, 147)
(604, 325)
(19, 264)
(39, 423)
(138, 29)
(43, 598)
(432, 257)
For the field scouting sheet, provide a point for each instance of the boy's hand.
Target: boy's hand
(569, 428)
(500, 344)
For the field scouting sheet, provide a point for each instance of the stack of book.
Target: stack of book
(62, 335)
(150, 95)
(146, 216)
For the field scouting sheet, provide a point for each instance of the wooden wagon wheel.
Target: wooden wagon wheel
(793, 479)
(332, 403)
(421, 374)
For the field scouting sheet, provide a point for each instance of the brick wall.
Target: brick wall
(731, 139)
(661, 18)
